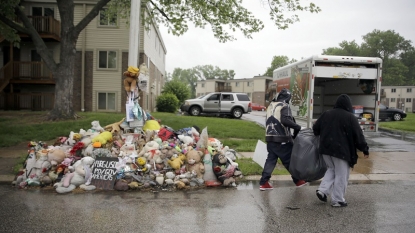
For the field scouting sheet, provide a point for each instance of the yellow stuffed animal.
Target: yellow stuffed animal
(103, 137)
(176, 163)
(131, 77)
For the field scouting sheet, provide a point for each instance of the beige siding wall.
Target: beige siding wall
(400, 96)
(153, 47)
(255, 90)
(102, 38)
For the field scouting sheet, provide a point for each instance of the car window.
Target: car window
(381, 106)
(214, 97)
(227, 97)
(242, 97)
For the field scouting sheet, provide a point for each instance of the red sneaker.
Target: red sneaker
(265, 186)
(301, 183)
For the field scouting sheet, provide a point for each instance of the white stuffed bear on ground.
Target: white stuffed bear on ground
(80, 175)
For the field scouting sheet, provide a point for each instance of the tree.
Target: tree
(63, 72)
(396, 52)
(213, 72)
(177, 88)
(408, 59)
(188, 76)
(277, 62)
(345, 49)
(223, 16)
(384, 44)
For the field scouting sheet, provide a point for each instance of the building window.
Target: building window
(106, 101)
(106, 19)
(43, 11)
(393, 90)
(107, 59)
(409, 90)
(203, 85)
(237, 84)
(408, 100)
(393, 100)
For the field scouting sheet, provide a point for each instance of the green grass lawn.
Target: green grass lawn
(407, 124)
(17, 127)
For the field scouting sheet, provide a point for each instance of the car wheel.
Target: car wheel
(397, 117)
(237, 113)
(194, 111)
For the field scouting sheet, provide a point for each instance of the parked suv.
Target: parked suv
(222, 103)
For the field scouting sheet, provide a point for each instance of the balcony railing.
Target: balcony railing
(27, 101)
(46, 26)
(25, 72)
(223, 89)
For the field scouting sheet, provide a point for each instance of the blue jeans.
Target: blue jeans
(275, 151)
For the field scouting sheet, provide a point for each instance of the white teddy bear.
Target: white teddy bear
(80, 175)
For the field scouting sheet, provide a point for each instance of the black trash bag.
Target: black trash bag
(306, 162)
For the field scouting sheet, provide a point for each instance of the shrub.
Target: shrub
(167, 102)
(179, 89)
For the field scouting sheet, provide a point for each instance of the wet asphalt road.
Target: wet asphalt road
(377, 207)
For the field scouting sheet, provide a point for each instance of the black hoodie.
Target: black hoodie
(340, 132)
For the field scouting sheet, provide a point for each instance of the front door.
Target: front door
(212, 103)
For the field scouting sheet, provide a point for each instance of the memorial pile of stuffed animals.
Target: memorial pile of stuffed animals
(112, 158)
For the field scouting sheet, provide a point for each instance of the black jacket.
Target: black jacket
(340, 132)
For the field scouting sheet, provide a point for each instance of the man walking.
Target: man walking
(279, 121)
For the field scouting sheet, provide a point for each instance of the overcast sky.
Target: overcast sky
(338, 20)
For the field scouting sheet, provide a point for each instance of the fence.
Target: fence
(27, 101)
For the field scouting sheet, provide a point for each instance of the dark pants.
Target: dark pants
(275, 151)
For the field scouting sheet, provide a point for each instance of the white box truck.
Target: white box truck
(317, 81)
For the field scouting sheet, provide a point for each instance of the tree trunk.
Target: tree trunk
(64, 76)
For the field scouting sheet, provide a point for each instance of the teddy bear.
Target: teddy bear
(131, 78)
(80, 175)
(187, 140)
(223, 169)
(149, 146)
(42, 164)
(194, 163)
(96, 127)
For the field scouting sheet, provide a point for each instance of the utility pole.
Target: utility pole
(134, 41)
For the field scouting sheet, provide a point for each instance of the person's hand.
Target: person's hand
(366, 153)
(295, 133)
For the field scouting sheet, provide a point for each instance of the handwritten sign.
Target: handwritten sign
(104, 172)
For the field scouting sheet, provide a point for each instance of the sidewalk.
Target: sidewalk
(380, 166)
